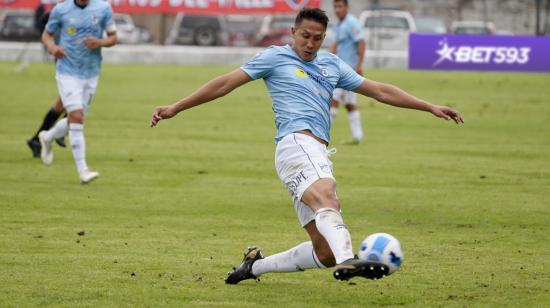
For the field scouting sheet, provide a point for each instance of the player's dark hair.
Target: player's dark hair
(315, 14)
(343, 1)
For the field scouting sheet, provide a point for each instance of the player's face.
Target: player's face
(308, 37)
(340, 9)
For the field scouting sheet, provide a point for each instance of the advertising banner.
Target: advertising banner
(479, 52)
(198, 7)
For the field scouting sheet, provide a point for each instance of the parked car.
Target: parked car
(18, 26)
(128, 32)
(430, 24)
(472, 27)
(275, 30)
(202, 30)
(240, 30)
(387, 29)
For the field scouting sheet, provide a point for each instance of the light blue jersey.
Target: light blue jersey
(73, 24)
(301, 91)
(348, 32)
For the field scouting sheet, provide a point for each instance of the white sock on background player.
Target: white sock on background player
(59, 130)
(354, 119)
(78, 146)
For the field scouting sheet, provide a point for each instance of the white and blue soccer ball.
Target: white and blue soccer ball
(382, 248)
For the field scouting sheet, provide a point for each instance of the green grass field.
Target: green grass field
(176, 205)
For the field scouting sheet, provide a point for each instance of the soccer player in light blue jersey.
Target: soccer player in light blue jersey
(79, 25)
(349, 46)
(300, 83)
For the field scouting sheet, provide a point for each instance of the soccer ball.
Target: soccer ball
(382, 248)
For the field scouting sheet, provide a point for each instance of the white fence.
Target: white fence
(150, 54)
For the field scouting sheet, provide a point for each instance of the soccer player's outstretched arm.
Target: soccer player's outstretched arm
(392, 95)
(49, 41)
(213, 89)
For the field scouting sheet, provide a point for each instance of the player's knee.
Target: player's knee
(76, 116)
(329, 200)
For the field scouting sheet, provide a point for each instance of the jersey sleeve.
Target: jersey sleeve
(357, 32)
(54, 22)
(108, 22)
(261, 65)
(349, 79)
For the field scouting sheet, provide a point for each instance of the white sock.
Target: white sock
(333, 113)
(298, 258)
(330, 224)
(59, 130)
(354, 119)
(78, 146)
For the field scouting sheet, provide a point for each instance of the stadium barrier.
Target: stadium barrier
(155, 54)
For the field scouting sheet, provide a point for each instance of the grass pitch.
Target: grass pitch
(176, 205)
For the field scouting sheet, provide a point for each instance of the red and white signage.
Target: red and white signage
(187, 6)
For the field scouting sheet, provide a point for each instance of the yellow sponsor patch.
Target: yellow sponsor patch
(71, 31)
(300, 73)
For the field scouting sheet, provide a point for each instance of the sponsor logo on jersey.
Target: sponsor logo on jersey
(300, 73)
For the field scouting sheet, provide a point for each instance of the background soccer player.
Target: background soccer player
(349, 45)
(80, 25)
(300, 83)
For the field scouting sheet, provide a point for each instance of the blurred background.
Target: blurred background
(258, 23)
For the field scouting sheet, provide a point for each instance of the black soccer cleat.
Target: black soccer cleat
(357, 267)
(244, 271)
(61, 142)
(35, 147)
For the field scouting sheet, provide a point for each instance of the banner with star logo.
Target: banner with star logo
(479, 52)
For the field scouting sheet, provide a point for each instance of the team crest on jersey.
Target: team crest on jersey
(94, 20)
(300, 73)
(71, 31)
(324, 72)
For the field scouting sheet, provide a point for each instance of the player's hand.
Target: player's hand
(447, 113)
(359, 70)
(162, 113)
(57, 51)
(92, 42)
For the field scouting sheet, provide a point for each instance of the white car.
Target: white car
(128, 32)
(387, 29)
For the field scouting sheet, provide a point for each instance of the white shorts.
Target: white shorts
(76, 93)
(300, 161)
(344, 96)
